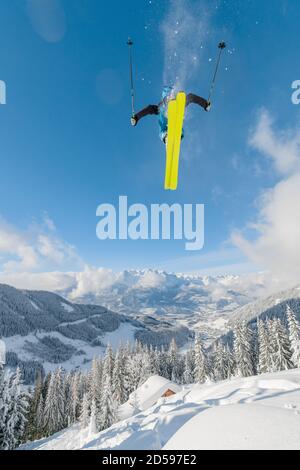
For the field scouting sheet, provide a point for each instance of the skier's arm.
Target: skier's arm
(151, 109)
(191, 98)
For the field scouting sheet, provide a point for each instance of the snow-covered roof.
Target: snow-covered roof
(151, 391)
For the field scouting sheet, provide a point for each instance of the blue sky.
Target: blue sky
(67, 144)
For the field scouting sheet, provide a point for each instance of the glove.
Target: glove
(208, 106)
(133, 121)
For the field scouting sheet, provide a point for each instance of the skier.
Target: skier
(161, 110)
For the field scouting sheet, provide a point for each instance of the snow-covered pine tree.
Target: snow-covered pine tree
(294, 335)
(93, 427)
(145, 365)
(75, 397)
(4, 406)
(128, 378)
(138, 347)
(154, 361)
(68, 381)
(40, 418)
(134, 371)
(54, 417)
(243, 350)
(265, 363)
(108, 406)
(118, 379)
(231, 366)
(281, 346)
(18, 408)
(164, 364)
(31, 432)
(220, 362)
(85, 411)
(202, 369)
(175, 370)
(255, 348)
(95, 385)
(109, 362)
(189, 367)
(46, 385)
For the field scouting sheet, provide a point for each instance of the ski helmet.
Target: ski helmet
(168, 92)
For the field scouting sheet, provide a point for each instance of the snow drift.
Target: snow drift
(261, 412)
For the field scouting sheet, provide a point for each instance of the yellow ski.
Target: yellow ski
(170, 140)
(180, 111)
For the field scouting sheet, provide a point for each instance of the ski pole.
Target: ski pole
(130, 44)
(221, 46)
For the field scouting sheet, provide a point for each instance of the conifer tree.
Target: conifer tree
(17, 411)
(202, 370)
(243, 350)
(281, 346)
(54, 417)
(108, 407)
(189, 367)
(220, 362)
(231, 366)
(174, 363)
(265, 363)
(118, 379)
(85, 412)
(294, 336)
(36, 401)
(93, 427)
(40, 418)
(4, 407)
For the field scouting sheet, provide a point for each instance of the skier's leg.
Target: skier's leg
(191, 98)
(163, 128)
(151, 109)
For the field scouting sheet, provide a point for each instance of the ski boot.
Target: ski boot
(133, 121)
(208, 107)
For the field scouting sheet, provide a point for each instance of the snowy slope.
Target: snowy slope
(273, 306)
(44, 329)
(247, 413)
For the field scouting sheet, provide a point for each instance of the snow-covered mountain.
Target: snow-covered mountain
(273, 306)
(44, 329)
(261, 412)
(205, 303)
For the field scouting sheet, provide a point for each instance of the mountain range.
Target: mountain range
(44, 329)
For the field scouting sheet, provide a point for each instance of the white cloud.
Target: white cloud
(91, 281)
(16, 249)
(276, 242)
(54, 249)
(36, 248)
(282, 147)
(55, 281)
